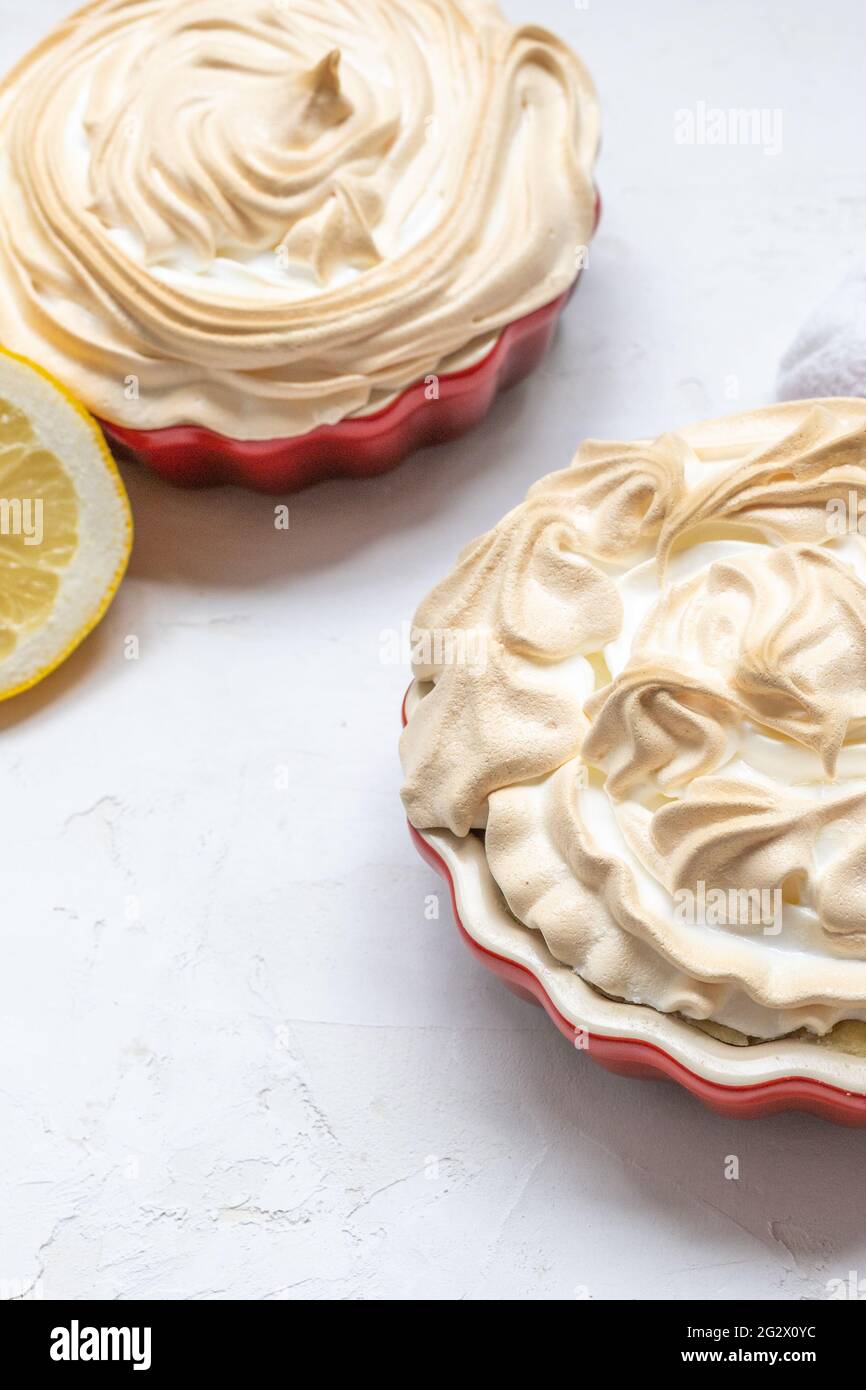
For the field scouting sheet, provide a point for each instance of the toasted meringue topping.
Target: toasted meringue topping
(262, 216)
(664, 735)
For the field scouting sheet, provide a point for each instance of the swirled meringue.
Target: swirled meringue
(265, 216)
(668, 709)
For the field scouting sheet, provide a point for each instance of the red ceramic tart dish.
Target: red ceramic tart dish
(631, 1055)
(636, 741)
(191, 456)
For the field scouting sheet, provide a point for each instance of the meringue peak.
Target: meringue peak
(276, 220)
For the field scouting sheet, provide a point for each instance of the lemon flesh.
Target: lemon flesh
(65, 525)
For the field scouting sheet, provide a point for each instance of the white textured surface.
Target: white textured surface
(237, 1060)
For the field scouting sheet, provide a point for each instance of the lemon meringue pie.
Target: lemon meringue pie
(644, 691)
(260, 216)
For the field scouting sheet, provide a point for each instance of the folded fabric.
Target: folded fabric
(828, 355)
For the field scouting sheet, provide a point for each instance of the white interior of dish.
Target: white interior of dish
(486, 918)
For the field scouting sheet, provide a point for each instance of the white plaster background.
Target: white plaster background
(230, 1042)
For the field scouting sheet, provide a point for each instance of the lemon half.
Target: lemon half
(65, 524)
